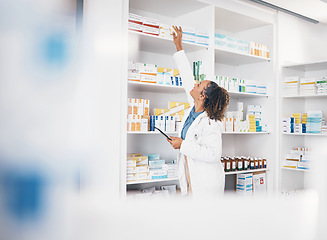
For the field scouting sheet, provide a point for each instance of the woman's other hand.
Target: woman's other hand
(176, 142)
(177, 36)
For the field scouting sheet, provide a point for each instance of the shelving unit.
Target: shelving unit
(294, 178)
(247, 171)
(229, 19)
(152, 133)
(155, 44)
(152, 181)
(235, 23)
(224, 56)
(296, 169)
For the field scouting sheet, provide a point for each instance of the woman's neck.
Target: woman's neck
(198, 107)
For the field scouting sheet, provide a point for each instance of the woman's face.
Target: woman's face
(198, 89)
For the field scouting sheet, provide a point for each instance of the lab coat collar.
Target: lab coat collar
(196, 122)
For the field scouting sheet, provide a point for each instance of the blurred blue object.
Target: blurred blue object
(55, 49)
(23, 194)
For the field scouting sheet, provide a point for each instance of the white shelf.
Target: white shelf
(156, 44)
(250, 95)
(306, 134)
(155, 88)
(235, 22)
(227, 57)
(179, 8)
(313, 66)
(150, 133)
(152, 181)
(296, 169)
(245, 133)
(246, 171)
(308, 96)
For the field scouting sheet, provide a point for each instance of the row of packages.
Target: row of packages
(311, 122)
(237, 163)
(248, 184)
(295, 85)
(240, 85)
(299, 157)
(151, 73)
(233, 121)
(152, 26)
(223, 41)
(149, 166)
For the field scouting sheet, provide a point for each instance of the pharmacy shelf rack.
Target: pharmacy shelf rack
(152, 181)
(227, 133)
(296, 169)
(235, 58)
(160, 45)
(308, 96)
(160, 88)
(154, 88)
(244, 94)
(246, 171)
(306, 134)
(151, 133)
(245, 133)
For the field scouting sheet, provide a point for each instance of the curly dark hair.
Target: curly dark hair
(216, 102)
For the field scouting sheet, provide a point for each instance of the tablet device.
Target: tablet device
(163, 133)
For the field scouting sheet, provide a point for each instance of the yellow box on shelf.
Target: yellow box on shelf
(159, 111)
(172, 104)
(134, 154)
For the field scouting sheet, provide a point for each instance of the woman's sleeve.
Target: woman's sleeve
(185, 71)
(210, 151)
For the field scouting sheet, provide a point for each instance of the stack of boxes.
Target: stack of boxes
(299, 157)
(304, 122)
(307, 86)
(291, 86)
(233, 121)
(168, 76)
(297, 123)
(172, 169)
(244, 184)
(150, 73)
(158, 169)
(168, 120)
(314, 122)
(254, 115)
(322, 86)
(137, 167)
(138, 114)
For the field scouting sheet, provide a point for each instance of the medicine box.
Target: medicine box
(156, 164)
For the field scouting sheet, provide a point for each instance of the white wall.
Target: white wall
(300, 41)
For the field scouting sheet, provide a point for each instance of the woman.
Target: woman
(200, 144)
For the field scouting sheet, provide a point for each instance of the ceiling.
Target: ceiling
(315, 9)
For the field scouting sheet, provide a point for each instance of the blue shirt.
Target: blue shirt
(190, 119)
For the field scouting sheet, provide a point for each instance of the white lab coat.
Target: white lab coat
(202, 145)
